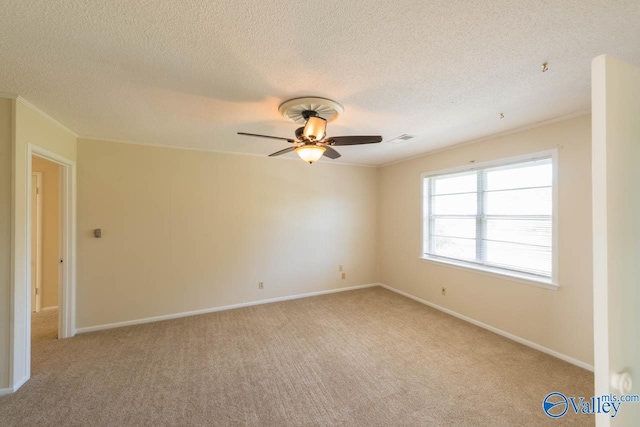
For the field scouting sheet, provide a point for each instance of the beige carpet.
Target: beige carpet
(360, 358)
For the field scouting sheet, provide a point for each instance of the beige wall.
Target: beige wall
(6, 131)
(50, 192)
(559, 320)
(186, 230)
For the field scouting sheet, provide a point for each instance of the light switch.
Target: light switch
(97, 233)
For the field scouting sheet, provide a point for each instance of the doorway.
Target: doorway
(45, 248)
(20, 337)
(20, 304)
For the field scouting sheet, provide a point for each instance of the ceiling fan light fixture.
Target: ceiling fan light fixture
(310, 153)
(315, 129)
(310, 142)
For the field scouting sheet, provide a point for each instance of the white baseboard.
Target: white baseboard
(48, 308)
(16, 386)
(20, 383)
(214, 309)
(495, 330)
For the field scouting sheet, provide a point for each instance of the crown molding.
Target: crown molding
(8, 95)
(18, 98)
(492, 136)
(32, 107)
(210, 150)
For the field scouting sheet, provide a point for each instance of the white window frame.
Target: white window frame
(520, 277)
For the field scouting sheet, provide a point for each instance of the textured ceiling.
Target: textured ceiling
(192, 73)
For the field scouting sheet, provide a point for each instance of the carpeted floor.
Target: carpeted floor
(361, 358)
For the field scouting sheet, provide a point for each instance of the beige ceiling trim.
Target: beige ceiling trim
(7, 95)
(43, 114)
(492, 136)
(208, 150)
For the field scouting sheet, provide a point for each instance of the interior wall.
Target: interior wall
(559, 320)
(30, 127)
(185, 230)
(50, 192)
(6, 132)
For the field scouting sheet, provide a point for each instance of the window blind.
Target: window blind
(498, 216)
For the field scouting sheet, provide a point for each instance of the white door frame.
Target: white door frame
(38, 251)
(21, 327)
(66, 290)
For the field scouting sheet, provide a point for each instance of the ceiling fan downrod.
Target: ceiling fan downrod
(309, 113)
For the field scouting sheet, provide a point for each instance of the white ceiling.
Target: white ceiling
(192, 73)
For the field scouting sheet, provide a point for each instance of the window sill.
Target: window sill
(494, 272)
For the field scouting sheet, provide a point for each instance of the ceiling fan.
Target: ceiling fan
(311, 141)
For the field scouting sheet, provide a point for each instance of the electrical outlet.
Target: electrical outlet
(344, 275)
(444, 291)
(340, 268)
(260, 285)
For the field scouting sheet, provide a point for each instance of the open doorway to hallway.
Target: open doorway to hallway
(45, 249)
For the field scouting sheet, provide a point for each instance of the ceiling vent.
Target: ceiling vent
(400, 139)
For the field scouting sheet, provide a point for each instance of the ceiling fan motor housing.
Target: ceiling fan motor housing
(309, 113)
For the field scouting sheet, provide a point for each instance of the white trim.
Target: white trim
(555, 264)
(66, 289)
(488, 271)
(48, 308)
(11, 390)
(495, 330)
(39, 237)
(21, 307)
(14, 352)
(43, 114)
(492, 136)
(600, 209)
(220, 308)
(211, 150)
(503, 161)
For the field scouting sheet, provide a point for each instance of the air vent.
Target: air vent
(400, 139)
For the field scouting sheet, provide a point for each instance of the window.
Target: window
(497, 217)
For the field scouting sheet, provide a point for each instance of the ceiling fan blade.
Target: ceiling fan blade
(354, 140)
(330, 153)
(286, 150)
(266, 136)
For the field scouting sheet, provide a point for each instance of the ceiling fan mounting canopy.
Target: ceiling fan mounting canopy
(298, 110)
